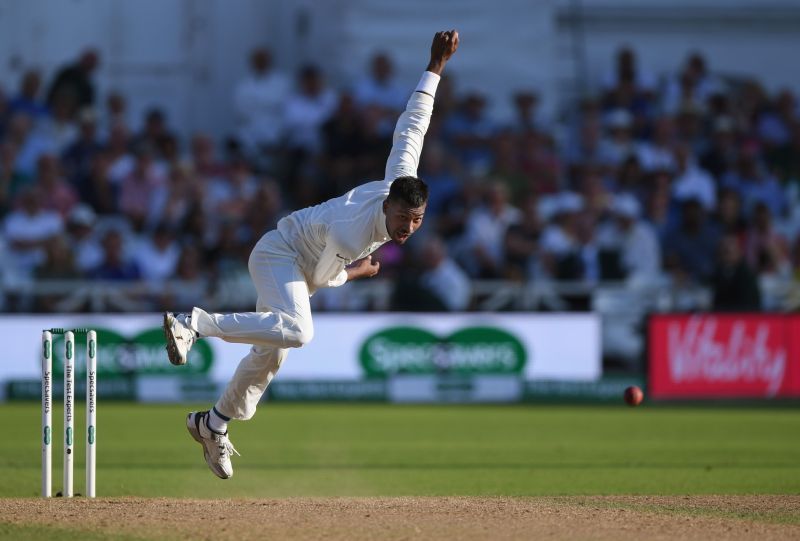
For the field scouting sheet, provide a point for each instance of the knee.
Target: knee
(301, 333)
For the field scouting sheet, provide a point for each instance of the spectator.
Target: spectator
(721, 157)
(57, 194)
(620, 143)
(521, 243)
(627, 68)
(72, 87)
(688, 245)
(658, 154)
(58, 264)
(470, 131)
(755, 185)
(693, 182)
(115, 116)
(78, 157)
(30, 145)
(634, 240)
(156, 256)
(307, 109)
(137, 190)
(766, 250)
(155, 134)
(380, 89)
(83, 239)
(28, 102)
(28, 229)
(115, 265)
(735, 284)
(528, 118)
(259, 101)
(442, 277)
(486, 229)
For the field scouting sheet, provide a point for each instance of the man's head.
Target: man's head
(405, 207)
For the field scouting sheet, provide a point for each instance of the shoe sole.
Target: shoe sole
(192, 428)
(172, 348)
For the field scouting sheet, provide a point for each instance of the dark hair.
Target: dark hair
(411, 191)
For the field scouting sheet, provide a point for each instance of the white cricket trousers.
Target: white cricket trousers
(282, 320)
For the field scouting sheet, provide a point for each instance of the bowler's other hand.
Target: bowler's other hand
(363, 268)
(443, 47)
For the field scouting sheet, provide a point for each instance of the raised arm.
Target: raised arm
(413, 123)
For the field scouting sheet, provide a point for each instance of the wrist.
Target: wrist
(436, 66)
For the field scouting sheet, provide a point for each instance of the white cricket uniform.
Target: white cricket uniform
(309, 250)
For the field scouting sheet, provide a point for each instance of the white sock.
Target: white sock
(217, 422)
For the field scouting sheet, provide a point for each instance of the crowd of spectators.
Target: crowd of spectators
(684, 178)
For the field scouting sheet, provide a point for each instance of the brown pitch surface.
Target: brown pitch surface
(575, 517)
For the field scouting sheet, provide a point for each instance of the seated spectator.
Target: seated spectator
(470, 131)
(57, 193)
(137, 190)
(155, 134)
(28, 102)
(30, 145)
(115, 115)
(121, 159)
(381, 92)
(658, 154)
(775, 123)
(61, 127)
(28, 229)
(193, 287)
(442, 277)
(58, 264)
(83, 238)
(344, 142)
(307, 109)
(735, 284)
(527, 116)
(156, 256)
(627, 68)
(766, 250)
(77, 159)
(730, 215)
(485, 230)
(634, 240)
(619, 144)
(687, 246)
(205, 163)
(722, 155)
(756, 185)
(115, 265)
(561, 242)
(693, 85)
(228, 196)
(259, 101)
(693, 182)
(521, 243)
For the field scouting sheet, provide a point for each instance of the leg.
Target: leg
(283, 316)
(253, 375)
(282, 298)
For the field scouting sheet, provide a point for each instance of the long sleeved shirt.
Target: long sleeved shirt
(329, 236)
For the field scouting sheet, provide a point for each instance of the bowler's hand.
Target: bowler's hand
(363, 268)
(443, 47)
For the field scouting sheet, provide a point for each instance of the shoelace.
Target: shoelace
(226, 448)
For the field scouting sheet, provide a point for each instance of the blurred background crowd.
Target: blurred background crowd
(683, 179)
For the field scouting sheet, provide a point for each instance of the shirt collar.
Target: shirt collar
(380, 233)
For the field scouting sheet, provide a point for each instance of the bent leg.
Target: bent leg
(283, 316)
(253, 375)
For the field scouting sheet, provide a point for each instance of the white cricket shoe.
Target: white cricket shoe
(180, 337)
(217, 448)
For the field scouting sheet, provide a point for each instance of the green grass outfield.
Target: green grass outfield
(391, 450)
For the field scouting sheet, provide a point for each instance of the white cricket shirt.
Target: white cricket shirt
(333, 234)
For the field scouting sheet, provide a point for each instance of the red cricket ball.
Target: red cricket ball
(633, 396)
